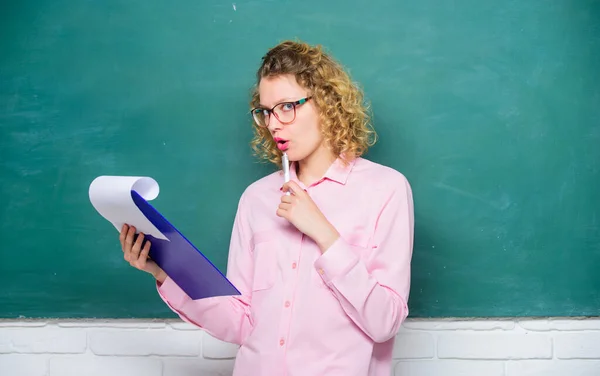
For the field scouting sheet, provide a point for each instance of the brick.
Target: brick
(449, 368)
(197, 366)
(435, 325)
(553, 368)
(22, 324)
(213, 348)
(122, 324)
(561, 324)
(577, 345)
(90, 365)
(183, 326)
(535, 325)
(414, 346)
(22, 364)
(494, 346)
(140, 342)
(587, 324)
(48, 339)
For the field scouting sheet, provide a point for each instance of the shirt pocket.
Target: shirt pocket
(265, 252)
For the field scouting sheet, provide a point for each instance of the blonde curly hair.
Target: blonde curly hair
(344, 117)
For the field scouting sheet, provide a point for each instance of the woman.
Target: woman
(324, 271)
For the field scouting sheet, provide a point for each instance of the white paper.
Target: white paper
(111, 197)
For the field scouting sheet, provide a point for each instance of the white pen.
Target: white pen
(285, 164)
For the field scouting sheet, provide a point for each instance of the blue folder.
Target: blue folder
(181, 260)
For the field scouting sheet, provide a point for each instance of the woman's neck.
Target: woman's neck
(313, 167)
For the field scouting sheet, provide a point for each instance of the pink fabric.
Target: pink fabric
(303, 313)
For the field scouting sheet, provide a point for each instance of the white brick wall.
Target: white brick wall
(511, 347)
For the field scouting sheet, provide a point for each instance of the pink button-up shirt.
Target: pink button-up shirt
(303, 313)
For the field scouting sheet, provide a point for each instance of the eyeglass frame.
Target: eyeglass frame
(271, 111)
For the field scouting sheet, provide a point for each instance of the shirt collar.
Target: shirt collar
(337, 172)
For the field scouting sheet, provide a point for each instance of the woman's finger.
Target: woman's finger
(288, 199)
(281, 213)
(285, 206)
(127, 254)
(137, 246)
(293, 187)
(145, 251)
(122, 235)
(141, 262)
(129, 238)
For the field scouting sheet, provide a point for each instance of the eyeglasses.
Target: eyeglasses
(285, 112)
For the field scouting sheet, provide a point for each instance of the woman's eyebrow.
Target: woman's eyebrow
(285, 99)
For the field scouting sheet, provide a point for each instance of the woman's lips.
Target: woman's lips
(281, 143)
(283, 146)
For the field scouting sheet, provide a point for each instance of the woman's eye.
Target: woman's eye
(287, 106)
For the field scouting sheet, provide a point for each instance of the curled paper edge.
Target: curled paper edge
(111, 197)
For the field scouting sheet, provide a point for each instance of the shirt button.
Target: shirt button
(281, 342)
(294, 265)
(287, 304)
(321, 271)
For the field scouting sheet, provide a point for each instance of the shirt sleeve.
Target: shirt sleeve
(224, 317)
(373, 291)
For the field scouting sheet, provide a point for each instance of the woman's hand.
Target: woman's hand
(138, 256)
(302, 212)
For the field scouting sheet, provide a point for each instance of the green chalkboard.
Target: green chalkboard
(491, 109)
